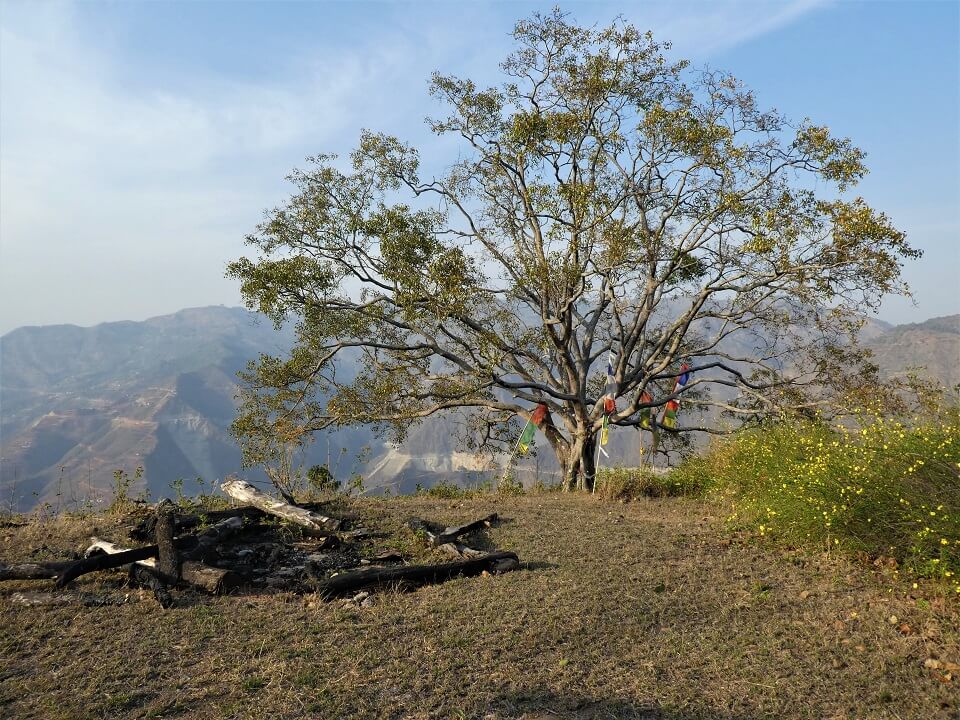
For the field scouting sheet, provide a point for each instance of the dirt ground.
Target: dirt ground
(643, 610)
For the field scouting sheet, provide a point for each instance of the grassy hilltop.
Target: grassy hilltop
(797, 570)
(646, 609)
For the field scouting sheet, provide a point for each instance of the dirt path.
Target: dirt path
(624, 611)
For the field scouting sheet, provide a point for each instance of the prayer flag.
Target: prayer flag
(645, 413)
(610, 391)
(530, 429)
(673, 406)
(670, 414)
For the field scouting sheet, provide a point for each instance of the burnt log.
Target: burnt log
(144, 576)
(309, 519)
(213, 580)
(415, 575)
(456, 549)
(105, 561)
(168, 564)
(210, 537)
(192, 545)
(146, 529)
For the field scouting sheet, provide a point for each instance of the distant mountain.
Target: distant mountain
(78, 403)
(933, 345)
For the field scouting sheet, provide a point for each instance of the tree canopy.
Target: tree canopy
(603, 202)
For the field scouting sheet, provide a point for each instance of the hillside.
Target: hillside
(78, 403)
(646, 610)
(933, 345)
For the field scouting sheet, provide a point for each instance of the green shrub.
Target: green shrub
(622, 483)
(881, 486)
(445, 490)
(321, 480)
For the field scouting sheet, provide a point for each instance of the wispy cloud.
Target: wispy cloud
(702, 29)
(121, 199)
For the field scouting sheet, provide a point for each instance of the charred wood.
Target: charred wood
(414, 575)
(168, 564)
(456, 549)
(106, 561)
(146, 530)
(213, 580)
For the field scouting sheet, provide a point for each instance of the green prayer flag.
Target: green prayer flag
(526, 437)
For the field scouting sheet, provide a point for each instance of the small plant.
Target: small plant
(321, 480)
(253, 683)
(181, 499)
(356, 484)
(443, 489)
(509, 485)
(122, 482)
(44, 512)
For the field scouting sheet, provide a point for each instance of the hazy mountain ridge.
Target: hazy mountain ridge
(78, 403)
(933, 345)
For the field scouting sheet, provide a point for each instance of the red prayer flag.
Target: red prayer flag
(539, 414)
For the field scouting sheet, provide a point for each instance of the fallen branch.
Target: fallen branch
(436, 537)
(413, 575)
(34, 571)
(460, 550)
(247, 493)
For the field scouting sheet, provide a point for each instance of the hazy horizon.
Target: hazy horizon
(139, 142)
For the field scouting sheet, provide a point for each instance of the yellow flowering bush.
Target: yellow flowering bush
(884, 486)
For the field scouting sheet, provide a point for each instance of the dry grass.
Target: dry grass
(642, 610)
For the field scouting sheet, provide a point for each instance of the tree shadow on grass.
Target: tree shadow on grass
(542, 704)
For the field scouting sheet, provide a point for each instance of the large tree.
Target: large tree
(604, 201)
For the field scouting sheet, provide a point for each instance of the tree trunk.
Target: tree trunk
(588, 463)
(571, 469)
(579, 463)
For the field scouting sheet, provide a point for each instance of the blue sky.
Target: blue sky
(139, 142)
